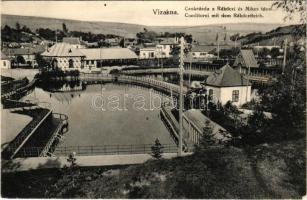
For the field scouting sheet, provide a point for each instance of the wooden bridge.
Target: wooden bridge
(193, 123)
(19, 92)
(200, 73)
(163, 86)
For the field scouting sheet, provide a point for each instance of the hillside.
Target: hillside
(200, 33)
(264, 171)
(276, 36)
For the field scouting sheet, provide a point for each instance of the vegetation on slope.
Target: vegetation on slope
(265, 171)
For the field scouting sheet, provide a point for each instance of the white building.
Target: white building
(100, 57)
(5, 62)
(65, 57)
(226, 85)
(147, 53)
(164, 48)
(203, 52)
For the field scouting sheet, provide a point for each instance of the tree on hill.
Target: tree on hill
(17, 26)
(286, 99)
(291, 7)
(157, 149)
(207, 138)
(64, 29)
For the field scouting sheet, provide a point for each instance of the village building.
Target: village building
(113, 42)
(74, 42)
(148, 53)
(64, 56)
(24, 57)
(166, 46)
(99, 57)
(227, 84)
(130, 42)
(5, 62)
(245, 60)
(203, 52)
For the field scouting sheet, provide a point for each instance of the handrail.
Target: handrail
(100, 150)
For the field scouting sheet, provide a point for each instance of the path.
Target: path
(31, 163)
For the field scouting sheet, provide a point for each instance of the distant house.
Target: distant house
(99, 57)
(130, 42)
(74, 42)
(24, 56)
(203, 52)
(148, 53)
(244, 60)
(269, 47)
(64, 56)
(227, 84)
(166, 46)
(5, 62)
(112, 42)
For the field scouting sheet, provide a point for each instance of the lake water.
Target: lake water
(90, 125)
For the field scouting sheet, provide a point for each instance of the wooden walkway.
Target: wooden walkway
(194, 73)
(143, 81)
(19, 92)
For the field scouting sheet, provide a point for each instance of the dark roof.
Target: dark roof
(246, 58)
(71, 40)
(226, 77)
(63, 50)
(203, 48)
(23, 51)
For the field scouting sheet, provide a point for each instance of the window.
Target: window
(235, 95)
(71, 63)
(210, 95)
(4, 63)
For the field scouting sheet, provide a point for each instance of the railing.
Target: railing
(99, 150)
(19, 90)
(165, 86)
(57, 133)
(194, 132)
(174, 126)
(15, 145)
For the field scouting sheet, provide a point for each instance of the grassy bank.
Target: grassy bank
(266, 171)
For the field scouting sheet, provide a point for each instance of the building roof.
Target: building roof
(108, 53)
(24, 51)
(62, 50)
(203, 48)
(148, 49)
(71, 40)
(169, 41)
(246, 58)
(226, 77)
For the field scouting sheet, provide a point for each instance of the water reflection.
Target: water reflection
(95, 127)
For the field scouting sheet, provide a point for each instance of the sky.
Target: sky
(140, 12)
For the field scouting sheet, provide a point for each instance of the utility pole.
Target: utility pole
(181, 97)
(285, 57)
(218, 49)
